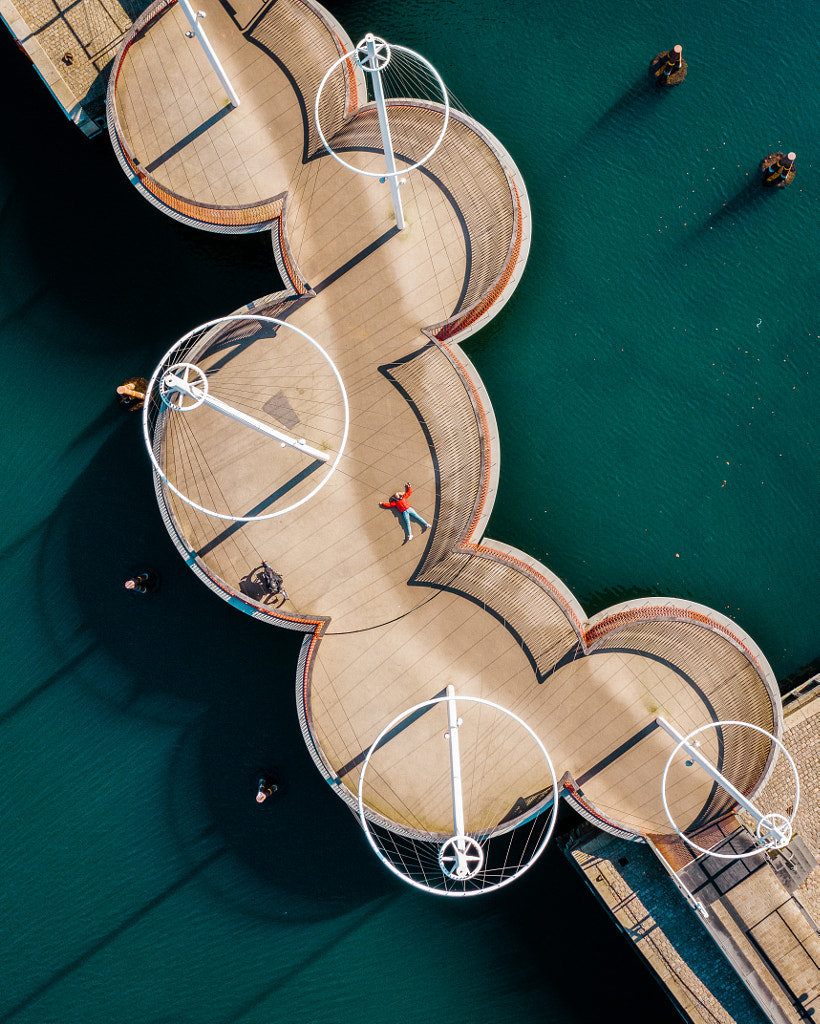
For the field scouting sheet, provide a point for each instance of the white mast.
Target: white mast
(378, 54)
(769, 825)
(174, 384)
(467, 855)
(198, 32)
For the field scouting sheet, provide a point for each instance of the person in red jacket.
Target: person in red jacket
(401, 501)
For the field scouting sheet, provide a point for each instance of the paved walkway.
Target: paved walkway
(650, 912)
(72, 45)
(800, 736)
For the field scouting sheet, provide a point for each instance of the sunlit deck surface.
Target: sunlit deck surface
(399, 622)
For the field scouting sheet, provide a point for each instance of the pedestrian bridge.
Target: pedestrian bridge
(389, 625)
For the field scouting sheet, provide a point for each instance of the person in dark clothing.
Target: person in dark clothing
(143, 583)
(272, 582)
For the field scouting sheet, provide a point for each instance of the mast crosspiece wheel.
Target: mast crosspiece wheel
(461, 857)
(774, 830)
(381, 54)
(190, 375)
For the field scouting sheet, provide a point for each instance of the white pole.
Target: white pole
(721, 780)
(176, 384)
(195, 21)
(453, 723)
(387, 142)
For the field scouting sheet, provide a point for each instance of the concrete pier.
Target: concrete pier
(72, 46)
(763, 913)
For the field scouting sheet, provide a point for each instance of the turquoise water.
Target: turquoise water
(653, 379)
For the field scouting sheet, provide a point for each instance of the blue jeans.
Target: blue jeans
(406, 517)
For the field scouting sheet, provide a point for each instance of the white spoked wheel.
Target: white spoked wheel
(190, 374)
(381, 58)
(461, 858)
(774, 830)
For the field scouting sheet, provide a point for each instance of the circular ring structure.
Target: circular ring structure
(768, 839)
(449, 848)
(186, 371)
(162, 370)
(354, 55)
(770, 825)
(382, 54)
(471, 854)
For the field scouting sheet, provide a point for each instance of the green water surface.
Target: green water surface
(655, 386)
